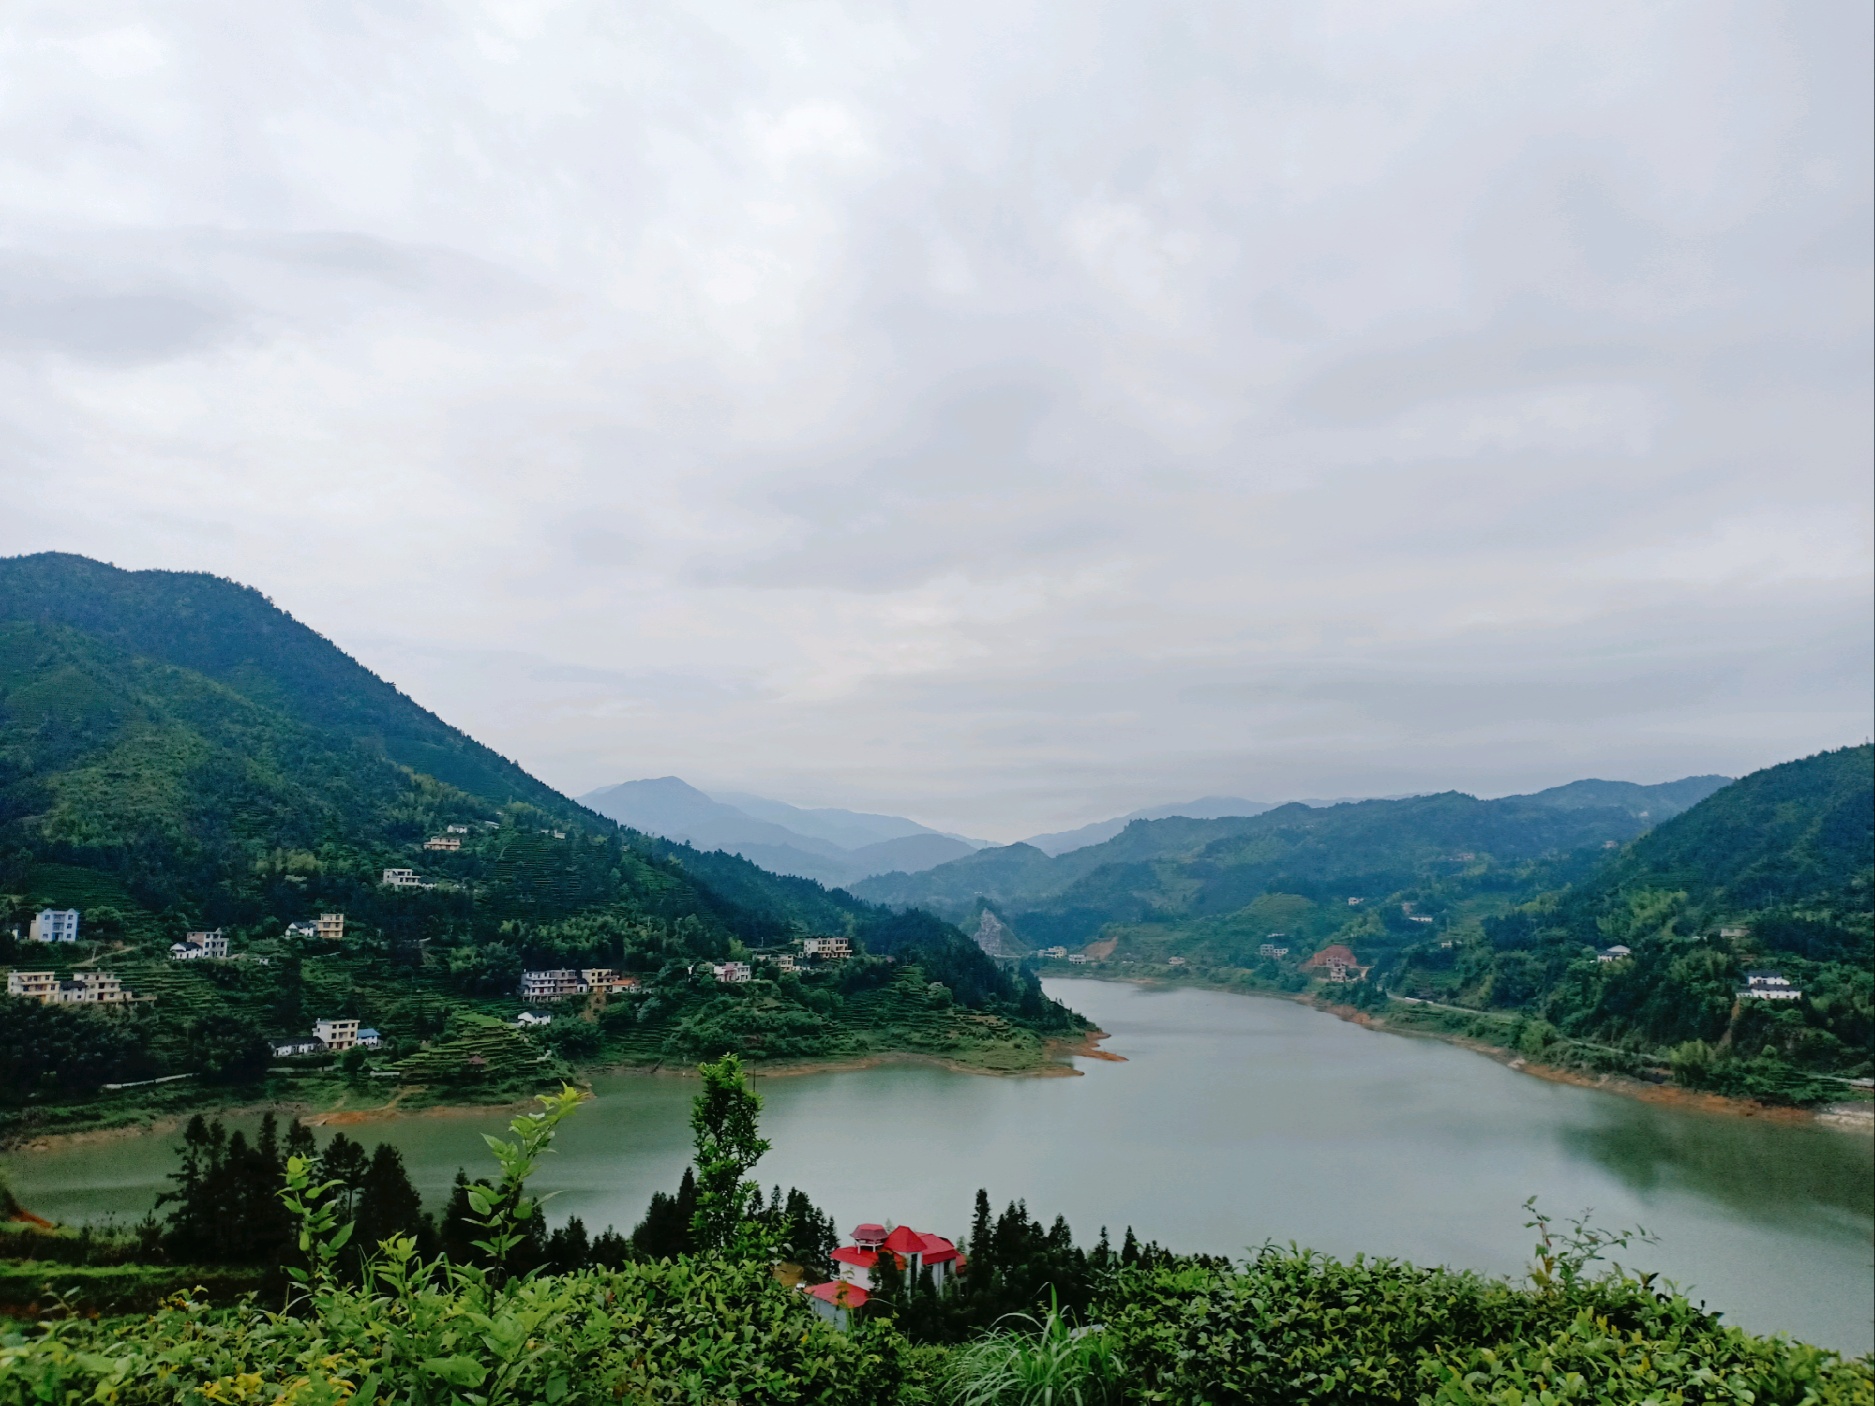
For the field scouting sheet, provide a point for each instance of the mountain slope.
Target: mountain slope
(1204, 808)
(1656, 803)
(1165, 870)
(159, 798)
(807, 844)
(1776, 870)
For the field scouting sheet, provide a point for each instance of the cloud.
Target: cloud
(1009, 414)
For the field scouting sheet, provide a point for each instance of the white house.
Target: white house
(401, 879)
(1175, 961)
(369, 1038)
(197, 945)
(86, 988)
(1614, 954)
(443, 842)
(828, 948)
(1272, 949)
(336, 1034)
(55, 925)
(305, 929)
(457, 830)
(733, 972)
(556, 984)
(1735, 932)
(1079, 959)
(1055, 952)
(527, 1019)
(1768, 986)
(34, 986)
(295, 1048)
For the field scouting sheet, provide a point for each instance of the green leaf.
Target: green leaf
(556, 1387)
(458, 1371)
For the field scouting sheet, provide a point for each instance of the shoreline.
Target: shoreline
(1056, 1051)
(1847, 1116)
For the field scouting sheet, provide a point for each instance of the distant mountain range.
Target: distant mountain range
(1181, 866)
(834, 847)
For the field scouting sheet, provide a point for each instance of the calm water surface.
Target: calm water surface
(1234, 1120)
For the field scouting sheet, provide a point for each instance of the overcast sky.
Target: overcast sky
(1006, 414)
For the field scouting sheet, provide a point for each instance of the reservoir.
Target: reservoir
(1233, 1121)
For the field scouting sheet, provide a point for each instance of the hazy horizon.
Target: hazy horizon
(1004, 416)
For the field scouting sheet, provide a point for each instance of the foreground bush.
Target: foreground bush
(704, 1332)
(1294, 1327)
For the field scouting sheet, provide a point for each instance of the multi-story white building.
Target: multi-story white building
(1768, 986)
(34, 986)
(86, 988)
(197, 945)
(555, 985)
(826, 948)
(55, 925)
(1617, 953)
(733, 972)
(336, 1034)
(401, 879)
(443, 842)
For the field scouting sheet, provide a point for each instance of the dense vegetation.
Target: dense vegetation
(716, 1323)
(1194, 870)
(1774, 871)
(176, 754)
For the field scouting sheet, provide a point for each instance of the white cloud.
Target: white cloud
(1006, 413)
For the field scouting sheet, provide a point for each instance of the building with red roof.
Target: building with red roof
(836, 1301)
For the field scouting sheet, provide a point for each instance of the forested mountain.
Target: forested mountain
(177, 754)
(1771, 872)
(1167, 870)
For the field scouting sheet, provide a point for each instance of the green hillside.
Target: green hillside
(177, 754)
(1772, 872)
(1201, 872)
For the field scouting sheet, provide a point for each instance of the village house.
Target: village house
(733, 972)
(606, 981)
(401, 879)
(197, 945)
(836, 1301)
(1614, 954)
(1053, 952)
(1079, 959)
(1337, 963)
(305, 929)
(1734, 932)
(34, 986)
(1768, 986)
(85, 988)
(832, 949)
(554, 985)
(297, 1048)
(1175, 961)
(336, 1035)
(443, 842)
(55, 925)
(457, 830)
(1271, 949)
(784, 960)
(330, 927)
(529, 1019)
(911, 1251)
